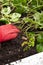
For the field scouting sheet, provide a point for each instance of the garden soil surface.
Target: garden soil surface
(11, 50)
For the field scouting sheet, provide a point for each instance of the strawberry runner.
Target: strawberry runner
(8, 32)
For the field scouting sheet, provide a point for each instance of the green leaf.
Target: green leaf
(31, 39)
(26, 19)
(38, 17)
(4, 20)
(39, 48)
(15, 17)
(21, 9)
(40, 38)
(24, 43)
(30, 42)
(6, 10)
(20, 1)
(21, 6)
(34, 3)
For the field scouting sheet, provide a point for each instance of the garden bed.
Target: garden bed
(27, 16)
(12, 50)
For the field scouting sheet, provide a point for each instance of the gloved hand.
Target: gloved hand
(8, 32)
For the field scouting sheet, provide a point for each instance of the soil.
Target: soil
(11, 50)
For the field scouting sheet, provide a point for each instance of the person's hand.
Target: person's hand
(8, 32)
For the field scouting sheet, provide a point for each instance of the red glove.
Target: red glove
(8, 32)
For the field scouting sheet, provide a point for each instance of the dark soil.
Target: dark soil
(11, 50)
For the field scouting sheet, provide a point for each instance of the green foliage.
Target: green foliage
(21, 6)
(15, 17)
(40, 38)
(21, 9)
(29, 15)
(36, 3)
(6, 10)
(39, 45)
(19, 1)
(39, 48)
(6, 16)
(30, 42)
(4, 21)
(39, 19)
